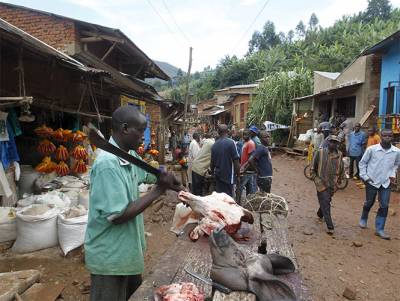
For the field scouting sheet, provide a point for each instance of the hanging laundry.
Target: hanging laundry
(8, 149)
(3, 126)
(13, 120)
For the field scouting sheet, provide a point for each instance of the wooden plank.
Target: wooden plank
(43, 292)
(367, 115)
(16, 282)
(164, 271)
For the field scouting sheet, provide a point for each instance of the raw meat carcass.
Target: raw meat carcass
(218, 210)
(185, 291)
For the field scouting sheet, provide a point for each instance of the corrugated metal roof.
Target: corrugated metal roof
(346, 85)
(330, 75)
(382, 45)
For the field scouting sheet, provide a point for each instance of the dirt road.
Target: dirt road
(329, 264)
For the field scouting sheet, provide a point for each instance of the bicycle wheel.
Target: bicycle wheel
(343, 184)
(307, 171)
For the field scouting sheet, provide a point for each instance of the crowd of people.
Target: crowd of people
(373, 160)
(240, 160)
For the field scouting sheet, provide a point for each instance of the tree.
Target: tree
(301, 29)
(377, 9)
(313, 21)
(264, 40)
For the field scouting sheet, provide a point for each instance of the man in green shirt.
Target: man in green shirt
(115, 241)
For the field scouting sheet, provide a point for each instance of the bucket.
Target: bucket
(27, 179)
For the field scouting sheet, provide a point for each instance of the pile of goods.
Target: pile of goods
(54, 147)
(44, 225)
(178, 291)
(211, 212)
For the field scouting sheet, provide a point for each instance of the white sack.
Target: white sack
(56, 198)
(25, 202)
(84, 198)
(8, 224)
(71, 230)
(36, 228)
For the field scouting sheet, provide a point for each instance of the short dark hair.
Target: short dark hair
(125, 114)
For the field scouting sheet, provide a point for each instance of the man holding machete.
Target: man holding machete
(115, 241)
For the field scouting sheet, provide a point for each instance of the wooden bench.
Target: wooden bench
(197, 258)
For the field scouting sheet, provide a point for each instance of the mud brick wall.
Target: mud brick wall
(57, 32)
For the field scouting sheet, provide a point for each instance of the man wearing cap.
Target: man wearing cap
(254, 135)
(327, 170)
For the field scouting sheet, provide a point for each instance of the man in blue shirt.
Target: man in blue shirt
(357, 142)
(225, 162)
(378, 169)
(261, 162)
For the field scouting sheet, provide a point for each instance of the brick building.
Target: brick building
(98, 47)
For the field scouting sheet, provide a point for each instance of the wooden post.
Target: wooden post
(187, 89)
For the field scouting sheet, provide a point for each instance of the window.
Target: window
(346, 106)
(389, 97)
(237, 113)
(241, 112)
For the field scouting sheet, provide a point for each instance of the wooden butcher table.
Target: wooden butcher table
(196, 257)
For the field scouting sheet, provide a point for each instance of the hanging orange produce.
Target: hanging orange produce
(62, 169)
(80, 167)
(46, 147)
(44, 131)
(78, 137)
(46, 166)
(58, 135)
(79, 152)
(62, 153)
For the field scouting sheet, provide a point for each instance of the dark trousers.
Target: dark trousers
(223, 187)
(370, 196)
(264, 184)
(324, 211)
(356, 159)
(116, 288)
(197, 184)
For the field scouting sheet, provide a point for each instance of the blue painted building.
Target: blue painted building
(389, 97)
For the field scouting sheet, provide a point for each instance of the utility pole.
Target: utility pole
(187, 89)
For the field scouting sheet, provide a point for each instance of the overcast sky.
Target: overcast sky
(165, 29)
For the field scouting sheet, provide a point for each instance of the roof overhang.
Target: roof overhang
(330, 91)
(133, 85)
(15, 34)
(382, 45)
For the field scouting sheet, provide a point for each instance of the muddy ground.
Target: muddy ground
(328, 264)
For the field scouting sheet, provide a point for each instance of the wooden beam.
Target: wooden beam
(16, 98)
(103, 36)
(91, 39)
(70, 111)
(109, 51)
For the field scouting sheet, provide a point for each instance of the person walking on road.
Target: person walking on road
(357, 142)
(378, 169)
(327, 171)
(201, 164)
(115, 241)
(261, 162)
(225, 162)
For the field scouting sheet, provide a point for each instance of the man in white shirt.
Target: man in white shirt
(378, 168)
(201, 164)
(194, 149)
